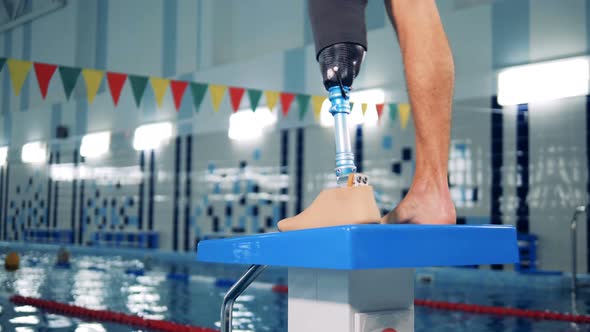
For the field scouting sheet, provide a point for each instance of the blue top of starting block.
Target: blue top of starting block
(355, 247)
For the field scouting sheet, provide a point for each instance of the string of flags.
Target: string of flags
(44, 72)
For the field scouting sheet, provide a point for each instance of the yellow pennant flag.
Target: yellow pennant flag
(272, 97)
(18, 70)
(404, 114)
(92, 78)
(316, 103)
(159, 85)
(217, 92)
(364, 108)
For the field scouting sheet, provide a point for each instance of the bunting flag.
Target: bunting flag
(116, 82)
(272, 97)
(379, 108)
(286, 100)
(138, 84)
(303, 101)
(316, 103)
(254, 96)
(178, 89)
(392, 112)
(404, 114)
(92, 78)
(159, 85)
(18, 70)
(198, 91)
(69, 77)
(217, 92)
(364, 108)
(235, 95)
(44, 73)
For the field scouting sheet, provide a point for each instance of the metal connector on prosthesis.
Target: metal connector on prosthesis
(340, 64)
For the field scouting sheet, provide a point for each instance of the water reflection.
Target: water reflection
(90, 327)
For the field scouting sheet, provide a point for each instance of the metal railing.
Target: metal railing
(238, 288)
(574, 234)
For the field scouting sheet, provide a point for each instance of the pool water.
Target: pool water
(162, 291)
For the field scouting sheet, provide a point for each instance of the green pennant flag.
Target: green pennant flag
(69, 77)
(198, 90)
(138, 84)
(303, 101)
(2, 61)
(254, 96)
(392, 112)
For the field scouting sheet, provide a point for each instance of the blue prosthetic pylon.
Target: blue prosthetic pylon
(340, 109)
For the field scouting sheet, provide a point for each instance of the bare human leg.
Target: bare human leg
(429, 71)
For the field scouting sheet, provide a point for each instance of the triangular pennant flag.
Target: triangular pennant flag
(303, 101)
(235, 96)
(198, 90)
(116, 82)
(69, 77)
(159, 85)
(392, 112)
(217, 92)
(2, 61)
(18, 70)
(254, 96)
(93, 78)
(379, 108)
(404, 114)
(271, 99)
(351, 106)
(286, 100)
(364, 108)
(316, 102)
(138, 84)
(44, 74)
(178, 88)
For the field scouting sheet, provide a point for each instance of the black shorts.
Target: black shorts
(339, 21)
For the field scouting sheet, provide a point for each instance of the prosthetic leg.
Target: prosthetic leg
(341, 41)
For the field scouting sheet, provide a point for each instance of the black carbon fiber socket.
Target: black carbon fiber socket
(340, 64)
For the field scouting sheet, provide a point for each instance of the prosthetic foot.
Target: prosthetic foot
(353, 204)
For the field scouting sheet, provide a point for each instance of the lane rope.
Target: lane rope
(161, 325)
(106, 315)
(504, 311)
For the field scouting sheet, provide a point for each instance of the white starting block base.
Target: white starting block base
(351, 300)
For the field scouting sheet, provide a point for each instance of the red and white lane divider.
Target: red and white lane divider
(161, 325)
(106, 315)
(504, 311)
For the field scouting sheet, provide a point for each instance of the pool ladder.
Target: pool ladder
(574, 234)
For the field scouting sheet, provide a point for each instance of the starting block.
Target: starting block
(356, 278)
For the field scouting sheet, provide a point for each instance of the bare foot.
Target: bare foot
(423, 206)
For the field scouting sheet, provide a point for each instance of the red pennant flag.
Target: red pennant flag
(379, 110)
(236, 95)
(44, 74)
(286, 100)
(116, 82)
(178, 88)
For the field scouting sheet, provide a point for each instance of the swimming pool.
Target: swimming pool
(163, 291)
